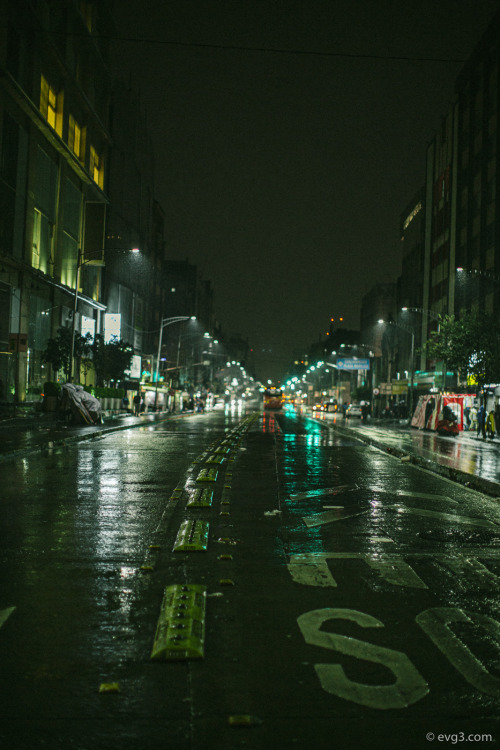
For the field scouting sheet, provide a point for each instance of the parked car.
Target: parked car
(354, 410)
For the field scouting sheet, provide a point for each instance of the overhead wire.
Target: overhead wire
(249, 48)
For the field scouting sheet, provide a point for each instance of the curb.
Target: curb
(100, 432)
(471, 481)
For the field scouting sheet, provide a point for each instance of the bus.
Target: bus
(273, 398)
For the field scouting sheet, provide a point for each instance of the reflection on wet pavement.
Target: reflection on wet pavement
(465, 453)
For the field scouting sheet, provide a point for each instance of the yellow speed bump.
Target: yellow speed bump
(207, 475)
(243, 720)
(180, 632)
(109, 687)
(192, 536)
(215, 459)
(201, 499)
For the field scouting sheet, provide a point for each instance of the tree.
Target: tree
(469, 345)
(110, 360)
(58, 350)
(57, 353)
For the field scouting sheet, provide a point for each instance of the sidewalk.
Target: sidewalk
(38, 432)
(465, 459)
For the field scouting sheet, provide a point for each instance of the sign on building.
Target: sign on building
(112, 327)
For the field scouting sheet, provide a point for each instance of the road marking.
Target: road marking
(312, 569)
(449, 517)
(427, 496)
(436, 623)
(332, 507)
(320, 493)
(5, 614)
(409, 686)
(381, 539)
(472, 572)
(330, 516)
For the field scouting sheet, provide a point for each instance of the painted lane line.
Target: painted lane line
(320, 493)
(426, 495)
(448, 517)
(312, 569)
(330, 516)
(5, 614)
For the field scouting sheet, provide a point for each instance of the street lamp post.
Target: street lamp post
(164, 323)
(75, 309)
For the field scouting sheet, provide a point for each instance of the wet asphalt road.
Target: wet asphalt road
(351, 599)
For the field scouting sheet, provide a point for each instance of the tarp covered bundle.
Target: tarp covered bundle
(83, 406)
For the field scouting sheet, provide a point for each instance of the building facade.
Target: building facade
(477, 186)
(54, 147)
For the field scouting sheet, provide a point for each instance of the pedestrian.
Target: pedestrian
(490, 425)
(481, 422)
(137, 404)
(467, 417)
(473, 418)
(497, 418)
(429, 411)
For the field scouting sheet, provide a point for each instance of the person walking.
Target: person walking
(473, 418)
(481, 422)
(490, 425)
(137, 404)
(467, 417)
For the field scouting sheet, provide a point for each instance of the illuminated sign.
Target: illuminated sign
(135, 366)
(112, 327)
(88, 327)
(353, 364)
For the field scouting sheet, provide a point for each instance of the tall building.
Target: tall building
(477, 181)
(54, 145)
(134, 246)
(410, 311)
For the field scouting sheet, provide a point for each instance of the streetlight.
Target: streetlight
(429, 313)
(478, 272)
(164, 323)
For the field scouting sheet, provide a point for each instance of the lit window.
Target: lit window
(96, 167)
(74, 136)
(35, 254)
(50, 103)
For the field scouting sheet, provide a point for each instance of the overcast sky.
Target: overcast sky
(289, 136)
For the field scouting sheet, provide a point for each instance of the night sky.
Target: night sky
(289, 137)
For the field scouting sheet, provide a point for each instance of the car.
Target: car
(354, 410)
(329, 406)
